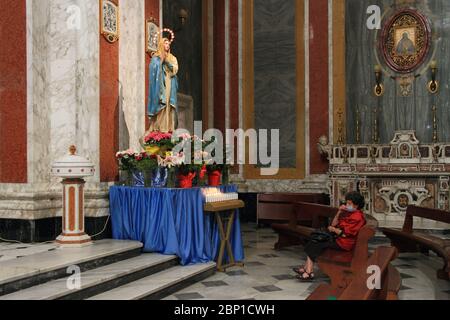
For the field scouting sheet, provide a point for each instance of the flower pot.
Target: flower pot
(159, 177)
(185, 181)
(214, 178)
(138, 179)
(152, 150)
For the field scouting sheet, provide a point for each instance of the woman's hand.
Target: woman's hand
(334, 230)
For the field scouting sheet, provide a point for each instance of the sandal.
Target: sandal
(309, 278)
(299, 270)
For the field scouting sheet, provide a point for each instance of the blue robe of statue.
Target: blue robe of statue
(157, 86)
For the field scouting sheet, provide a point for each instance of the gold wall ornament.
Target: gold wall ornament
(379, 87)
(375, 136)
(406, 85)
(435, 125)
(341, 139)
(151, 36)
(406, 40)
(109, 14)
(358, 129)
(433, 85)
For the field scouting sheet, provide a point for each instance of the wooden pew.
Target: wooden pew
(278, 207)
(357, 288)
(410, 240)
(303, 219)
(340, 266)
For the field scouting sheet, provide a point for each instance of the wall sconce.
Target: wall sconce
(433, 85)
(379, 88)
(183, 16)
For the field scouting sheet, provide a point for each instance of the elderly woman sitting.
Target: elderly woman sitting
(343, 232)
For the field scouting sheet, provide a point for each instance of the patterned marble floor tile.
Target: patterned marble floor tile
(214, 283)
(189, 296)
(284, 277)
(267, 288)
(236, 273)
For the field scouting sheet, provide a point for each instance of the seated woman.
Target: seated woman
(344, 229)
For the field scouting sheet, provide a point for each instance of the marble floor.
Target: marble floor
(268, 274)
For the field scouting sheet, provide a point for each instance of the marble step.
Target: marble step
(160, 285)
(35, 269)
(98, 280)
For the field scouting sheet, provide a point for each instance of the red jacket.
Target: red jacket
(350, 224)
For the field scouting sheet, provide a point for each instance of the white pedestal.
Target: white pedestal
(73, 234)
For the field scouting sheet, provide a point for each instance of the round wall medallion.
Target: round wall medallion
(405, 40)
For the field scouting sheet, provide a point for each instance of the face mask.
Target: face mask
(350, 209)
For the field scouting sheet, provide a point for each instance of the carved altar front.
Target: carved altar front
(391, 177)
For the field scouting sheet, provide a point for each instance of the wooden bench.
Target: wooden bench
(357, 288)
(278, 207)
(340, 266)
(410, 240)
(303, 219)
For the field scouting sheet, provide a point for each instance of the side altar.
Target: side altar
(392, 176)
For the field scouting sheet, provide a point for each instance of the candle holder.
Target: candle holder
(433, 85)
(379, 87)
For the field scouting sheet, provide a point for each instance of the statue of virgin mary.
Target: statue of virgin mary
(163, 86)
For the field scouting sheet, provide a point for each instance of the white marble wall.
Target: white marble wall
(133, 72)
(63, 106)
(63, 90)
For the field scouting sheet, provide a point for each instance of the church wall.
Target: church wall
(132, 73)
(187, 47)
(151, 12)
(318, 81)
(219, 64)
(396, 112)
(317, 104)
(13, 92)
(63, 108)
(109, 108)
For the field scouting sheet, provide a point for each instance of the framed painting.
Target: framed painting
(109, 20)
(405, 40)
(151, 35)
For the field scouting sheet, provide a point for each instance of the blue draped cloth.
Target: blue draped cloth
(172, 222)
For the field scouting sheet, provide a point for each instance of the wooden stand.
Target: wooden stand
(228, 209)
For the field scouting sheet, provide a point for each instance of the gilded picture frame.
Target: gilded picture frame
(151, 36)
(110, 27)
(405, 40)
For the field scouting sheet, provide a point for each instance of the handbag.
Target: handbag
(321, 236)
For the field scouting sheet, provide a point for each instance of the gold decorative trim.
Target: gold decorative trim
(108, 32)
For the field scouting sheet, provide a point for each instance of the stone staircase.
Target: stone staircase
(110, 270)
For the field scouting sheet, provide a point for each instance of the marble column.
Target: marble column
(62, 106)
(132, 72)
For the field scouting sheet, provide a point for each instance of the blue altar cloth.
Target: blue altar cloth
(171, 221)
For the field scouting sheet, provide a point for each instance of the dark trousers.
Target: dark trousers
(315, 249)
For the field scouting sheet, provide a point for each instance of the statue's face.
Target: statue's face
(167, 45)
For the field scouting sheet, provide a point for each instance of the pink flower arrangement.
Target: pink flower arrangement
(155, 137)
(127, 153)
(170, 160)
